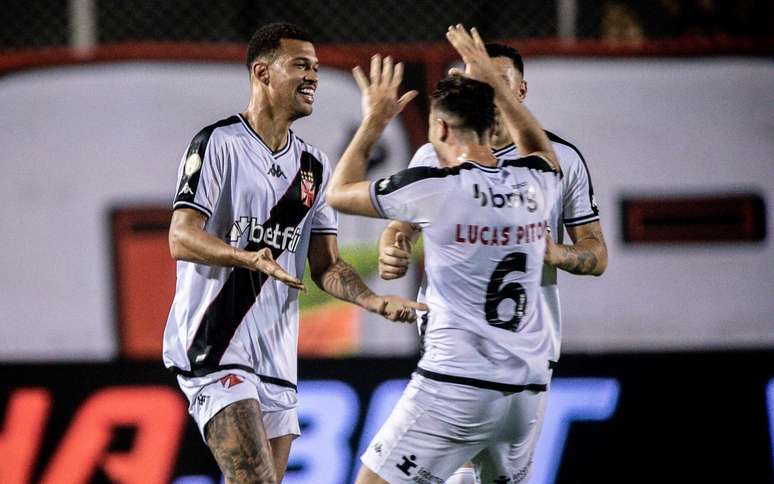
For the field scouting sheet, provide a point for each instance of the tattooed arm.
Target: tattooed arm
(587, 255)
(333, 275)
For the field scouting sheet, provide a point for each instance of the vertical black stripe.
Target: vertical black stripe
(242, 288)
(557, 139)
(186, 190)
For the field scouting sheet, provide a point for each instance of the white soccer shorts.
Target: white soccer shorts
(209, 394)
(437, 426)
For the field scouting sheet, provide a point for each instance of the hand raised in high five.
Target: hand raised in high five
(380, 92)
(478, 64)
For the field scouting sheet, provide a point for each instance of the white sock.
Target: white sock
(463, 475)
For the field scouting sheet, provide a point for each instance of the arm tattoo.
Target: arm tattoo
(578, 261)
(342, 282)
(238, 441)
(587, 256)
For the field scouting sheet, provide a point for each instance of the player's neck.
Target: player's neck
(271, 126)
(500, 142)
(481, 154)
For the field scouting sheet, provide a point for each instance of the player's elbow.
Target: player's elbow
(601, 263)
(176, 245)
(337, 199)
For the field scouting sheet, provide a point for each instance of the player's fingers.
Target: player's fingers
(393, 263)
(376, 68)
(387, 70)
(417, 305)
(360, 78)
(397, 77)
(396, 252)
(406, 98)
(476, 38)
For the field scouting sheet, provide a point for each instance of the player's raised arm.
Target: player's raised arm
(524, 129)
(348, 192)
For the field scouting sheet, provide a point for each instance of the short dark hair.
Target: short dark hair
(266, 40)
(468, 100)
(502, 50)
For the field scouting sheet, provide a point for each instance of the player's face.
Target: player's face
(516, 83)
(293, 77)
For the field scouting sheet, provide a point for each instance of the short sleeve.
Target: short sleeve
(414, 195)
(578, 204)
(200, 176)
(424, 156)
(325, 219)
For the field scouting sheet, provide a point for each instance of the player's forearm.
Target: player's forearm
(195, 245)
(342, 282)
(524, 128)
(585, 257)
(352, 166)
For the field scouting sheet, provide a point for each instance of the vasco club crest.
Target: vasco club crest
(307, 188)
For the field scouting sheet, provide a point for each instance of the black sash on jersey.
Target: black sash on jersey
(242, 288)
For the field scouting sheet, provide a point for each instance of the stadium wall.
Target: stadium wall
(86, 139)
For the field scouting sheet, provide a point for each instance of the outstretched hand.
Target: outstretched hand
(380, 90)
(264, 262)
(397, 308)
(478, 64)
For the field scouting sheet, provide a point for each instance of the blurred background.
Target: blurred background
(667, 368)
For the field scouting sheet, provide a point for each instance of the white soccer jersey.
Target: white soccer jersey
(224, 317)
(484, 230)
(574, 205)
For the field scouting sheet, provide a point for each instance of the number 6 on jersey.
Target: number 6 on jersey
(513, 262)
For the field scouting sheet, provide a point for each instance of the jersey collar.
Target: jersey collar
(276, 154)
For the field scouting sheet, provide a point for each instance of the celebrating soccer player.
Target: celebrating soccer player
(249, 210)
(574, 208)
(477, 392)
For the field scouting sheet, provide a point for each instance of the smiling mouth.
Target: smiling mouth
(307, 93)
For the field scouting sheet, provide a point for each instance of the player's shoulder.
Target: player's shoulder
(424, 156)
(308, 148)
(569, 154)
(530, 162)
(419, 176)
(217, 127)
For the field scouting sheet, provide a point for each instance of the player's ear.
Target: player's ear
(443, 129)
(522, 90)
(260, 71)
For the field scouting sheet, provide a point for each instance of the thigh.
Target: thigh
(510, 456)
(422, 440)
(238, 441)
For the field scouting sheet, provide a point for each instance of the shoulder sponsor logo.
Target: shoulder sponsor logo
(279, 237)
(192, 164)
(276, 171)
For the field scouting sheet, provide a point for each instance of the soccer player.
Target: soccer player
(574, 207)
(476, 394)
(248, 211)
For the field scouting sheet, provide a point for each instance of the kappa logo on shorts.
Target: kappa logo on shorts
(378, 448)
(230, 380)
(407, 464)
(202, 399)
